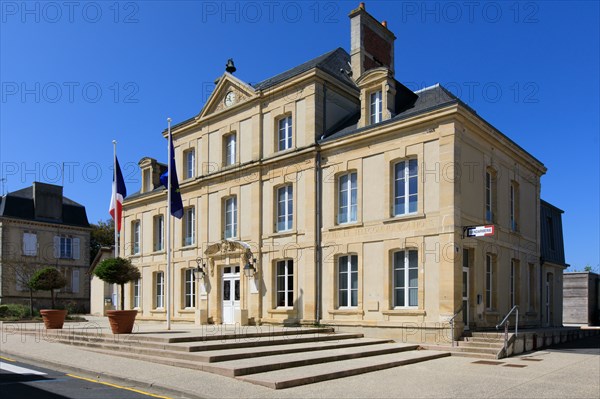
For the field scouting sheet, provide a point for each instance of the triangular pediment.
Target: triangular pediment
(229, 93)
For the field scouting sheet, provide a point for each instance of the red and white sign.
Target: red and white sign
(480, 231)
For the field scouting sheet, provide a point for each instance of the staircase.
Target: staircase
(483, 345)
(269, 356)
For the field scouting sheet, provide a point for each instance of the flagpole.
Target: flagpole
(168, 276)
(117, 216)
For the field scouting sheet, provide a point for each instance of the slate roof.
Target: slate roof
(19, 205)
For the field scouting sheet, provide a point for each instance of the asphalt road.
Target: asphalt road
(27, 381)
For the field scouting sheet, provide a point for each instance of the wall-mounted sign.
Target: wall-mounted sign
(480, 231)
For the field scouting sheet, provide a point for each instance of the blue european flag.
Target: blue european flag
(176, 202)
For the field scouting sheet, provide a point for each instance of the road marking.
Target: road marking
(19, 370)
(118, 386)
(8, 359)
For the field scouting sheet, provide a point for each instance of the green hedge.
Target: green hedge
(14, 311)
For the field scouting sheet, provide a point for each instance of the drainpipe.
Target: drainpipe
(318, 213)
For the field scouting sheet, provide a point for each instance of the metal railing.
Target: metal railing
(452, 323)
(505, 322)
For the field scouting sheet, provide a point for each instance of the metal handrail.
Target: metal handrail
(506, 323)
(451, 321)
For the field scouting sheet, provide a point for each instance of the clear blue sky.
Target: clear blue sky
(76, 76)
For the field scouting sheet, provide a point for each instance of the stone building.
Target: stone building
(39, 227)
(350, 196)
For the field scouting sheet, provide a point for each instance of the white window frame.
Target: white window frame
(189, 282)
(286, 290)
(137, 293)
(285, 216)
(230, 149)
(66, 247)
(347, 211)
(135, 237)
(489, 210)
(376, 107)
(284, 136)
(230, 215)
(489, 282)
(190, 163)
(403, 178)
(349, 275)
(404, 266)
(159, 290)
(189, 226)
(159, 233)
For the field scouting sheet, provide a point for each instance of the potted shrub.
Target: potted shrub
(50, 279)
(119, 271)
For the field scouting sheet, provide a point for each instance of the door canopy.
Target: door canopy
(227, 246)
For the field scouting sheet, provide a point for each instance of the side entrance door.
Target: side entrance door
(230, 293)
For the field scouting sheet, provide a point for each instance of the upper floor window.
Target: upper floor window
(29, 244)
(347, 198)
(285, 208)
(406, 189)
(406, 278)
(348, 281)
(230, 149)
(376, 107)
(490, 196)
(514, 206)
(159, 233)
(189, 226)
(285, 133)
(189, 157)
(135, 237)
(285, 283)
(66, 247)
(231, 217)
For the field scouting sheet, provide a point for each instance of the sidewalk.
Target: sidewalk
(571, 371)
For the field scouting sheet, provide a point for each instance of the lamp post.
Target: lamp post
(200, 270)
(250, 268)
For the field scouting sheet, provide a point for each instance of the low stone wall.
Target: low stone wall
(527, 341)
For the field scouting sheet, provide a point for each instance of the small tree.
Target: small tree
(117, 271)
(48, 279)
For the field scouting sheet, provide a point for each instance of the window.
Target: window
(514, 273)
(347, 198)
(406, 187)
(230, 150)
(490, 196)
(137, 294)
(488, 281)
(189, 226)
(146, 181)
(135, 237)
(376, 107)
(514, 206)
(190, 163)
(285, 133)
(231, 217)
(348, 281)
(75, 281)
(159, 233)
(159, 299)
(29, 244)
(190, 288)
(406, 279)
(285, 208)
(66, 247)
(285, 283)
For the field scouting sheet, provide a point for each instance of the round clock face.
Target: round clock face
(229, 99)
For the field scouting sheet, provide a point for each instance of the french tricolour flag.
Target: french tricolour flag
(119, 192)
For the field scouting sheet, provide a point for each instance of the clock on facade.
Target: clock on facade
(229, 99)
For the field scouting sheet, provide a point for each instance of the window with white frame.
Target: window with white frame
(190, 289)
(347, 198)
(285, 133)
(406, 187)
(490, 196)
(189, 158)
(29, 244)
(285, 283)
(66, 247)
(137, 294)
(159, 233)
(348, 281)
(135, 237)
(285, 208)
(189, 226)
(230, 149)
(231, 217)
(406, 279)
(489, 281)
(159, 290)
(376, 107)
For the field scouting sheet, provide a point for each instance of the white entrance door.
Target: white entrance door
(231, 293)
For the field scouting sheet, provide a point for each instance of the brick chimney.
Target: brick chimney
(47, 201)
(371, 43)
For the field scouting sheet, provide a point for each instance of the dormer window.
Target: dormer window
(376, 107)
(147, 180)
(285, 133)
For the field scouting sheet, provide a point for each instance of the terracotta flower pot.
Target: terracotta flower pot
(53, 318)
(121, 321)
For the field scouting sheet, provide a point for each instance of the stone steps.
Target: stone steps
(287, 378)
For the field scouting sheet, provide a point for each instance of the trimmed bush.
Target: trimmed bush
(117, 271)
(14, 311)
(48, 279)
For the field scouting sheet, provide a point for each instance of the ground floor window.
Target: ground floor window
(489, 281)
(406, 279)
(285, 283)
(137, 293)
(348, 281)
(190, 289)
(160, 290)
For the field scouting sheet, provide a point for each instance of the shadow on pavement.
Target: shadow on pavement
(14, 386)
(588, 345)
